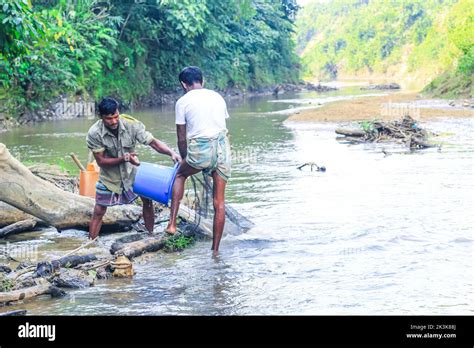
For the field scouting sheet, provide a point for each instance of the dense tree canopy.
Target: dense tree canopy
(344, 37)
(131, 48)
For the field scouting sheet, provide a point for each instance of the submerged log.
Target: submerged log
(74, 260)
(350, 132)
(18, 312)
(418, 142)
(61, 209)
(46, 268)
(21, 226)
(26, 293)
(120, 242)
(145, 245)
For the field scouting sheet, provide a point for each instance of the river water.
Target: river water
(374, 234)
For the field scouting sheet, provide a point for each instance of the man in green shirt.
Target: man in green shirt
(112, 140)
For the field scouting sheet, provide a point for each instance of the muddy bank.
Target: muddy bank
(391, 106)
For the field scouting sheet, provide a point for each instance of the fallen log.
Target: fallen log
(46, 268)
(18, 312)
(61, 209)
(21, 226)
(139, 247)
(350, 140)
(418, 142)
(120, 242)
(350, 132)
(10, 215)
(74, 260)
(26, 293)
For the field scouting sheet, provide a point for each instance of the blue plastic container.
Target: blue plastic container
(155, 182)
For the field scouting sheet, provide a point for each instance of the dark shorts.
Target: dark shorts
(107, 198)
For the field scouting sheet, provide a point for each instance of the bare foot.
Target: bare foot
(170, 230)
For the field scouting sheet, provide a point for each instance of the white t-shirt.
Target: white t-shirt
(203, 112)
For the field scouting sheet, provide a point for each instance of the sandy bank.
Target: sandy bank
(388, 107)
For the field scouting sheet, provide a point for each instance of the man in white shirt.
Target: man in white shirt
(203, 145)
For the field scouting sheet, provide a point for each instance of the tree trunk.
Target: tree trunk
(18, 312)
(26, 293)
(61, 209)
(350, 132)
(136, 248)
(25, 225)
(10, 215)
(414, 141)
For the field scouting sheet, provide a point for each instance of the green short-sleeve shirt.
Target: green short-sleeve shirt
(101, 139)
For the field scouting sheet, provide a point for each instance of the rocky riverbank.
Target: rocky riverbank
(233, 93)
(7, 122)
(69, 107)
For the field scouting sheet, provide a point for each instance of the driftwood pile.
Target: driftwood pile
(406, 131)
(71, 271)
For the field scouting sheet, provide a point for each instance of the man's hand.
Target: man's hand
(134, 159)
(176, 158)
(164, 149)
(131, 157)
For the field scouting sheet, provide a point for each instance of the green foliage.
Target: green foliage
(371, 36)
(178, 242)
(452, 85)
(129, 49)
(458, 81)
(461, 34)
(19, 29)
(366, 126)
(6, 284)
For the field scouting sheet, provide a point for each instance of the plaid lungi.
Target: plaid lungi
(107, 198)
(211, 154)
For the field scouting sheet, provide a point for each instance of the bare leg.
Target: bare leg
(96, 221)
(148, 214)
(219, 210)
(184, 171)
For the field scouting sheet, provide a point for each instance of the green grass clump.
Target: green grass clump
(178, 242)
